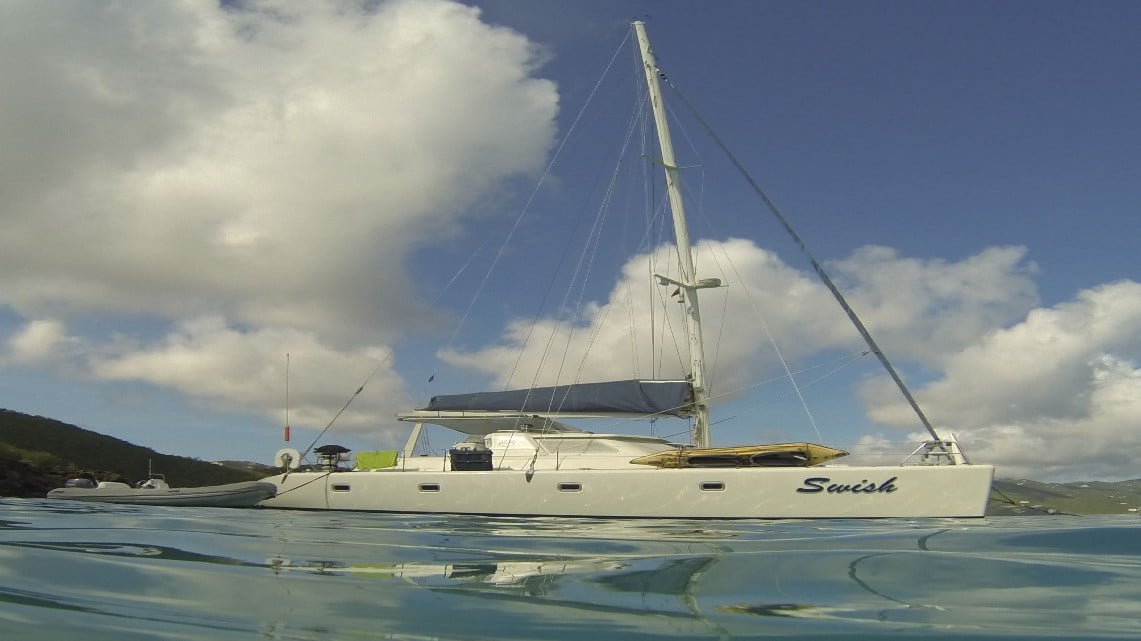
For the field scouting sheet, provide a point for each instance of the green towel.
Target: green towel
(376, 460)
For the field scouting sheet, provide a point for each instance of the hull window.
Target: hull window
(341, 487)
(713, 486)
(570, 487)
(429, 487)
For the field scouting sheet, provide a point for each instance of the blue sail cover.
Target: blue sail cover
(673, 398)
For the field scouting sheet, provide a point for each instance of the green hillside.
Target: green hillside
(1084, 497)
(38, 454)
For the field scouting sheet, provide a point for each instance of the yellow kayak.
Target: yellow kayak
(772, 455)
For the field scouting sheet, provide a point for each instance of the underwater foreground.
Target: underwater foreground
(71, 570)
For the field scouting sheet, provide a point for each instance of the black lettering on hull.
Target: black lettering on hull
(818, 484)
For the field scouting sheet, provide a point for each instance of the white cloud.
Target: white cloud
(980, 292)
(238, 161)
(1057, 394)
(248, 180)
(208, 360)
(611, 340)
(38, 341)
(926, 309)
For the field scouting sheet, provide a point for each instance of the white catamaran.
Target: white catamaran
(517, 457)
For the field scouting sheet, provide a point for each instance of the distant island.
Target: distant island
(39, 454)
(1083, 497)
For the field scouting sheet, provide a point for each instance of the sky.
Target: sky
(219, 218)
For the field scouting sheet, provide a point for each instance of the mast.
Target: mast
(688, 283)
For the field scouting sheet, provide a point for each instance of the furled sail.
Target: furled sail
(643, 397)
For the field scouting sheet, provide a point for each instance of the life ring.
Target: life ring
(287, 458)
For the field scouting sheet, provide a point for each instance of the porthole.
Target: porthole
(713, 486)
(570, 487)
(341, 487)
(429, 487)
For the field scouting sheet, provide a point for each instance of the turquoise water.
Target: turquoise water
(86, 571)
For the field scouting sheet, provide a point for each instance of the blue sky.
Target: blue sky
(190, 192)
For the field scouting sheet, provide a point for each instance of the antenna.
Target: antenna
(287, 397)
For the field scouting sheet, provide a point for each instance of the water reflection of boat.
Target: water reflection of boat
(528, 574)
(698, 585)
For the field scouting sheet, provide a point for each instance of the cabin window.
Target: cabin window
(429, 487)
(341, 487)
(713, 486)
(570, 487)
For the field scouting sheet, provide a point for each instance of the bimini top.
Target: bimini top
(639, 397)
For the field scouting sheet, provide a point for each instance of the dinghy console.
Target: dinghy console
(329, 457)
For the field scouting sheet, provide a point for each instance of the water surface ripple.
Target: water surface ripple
(88, 571)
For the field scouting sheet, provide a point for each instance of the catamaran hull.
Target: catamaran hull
(776, 493)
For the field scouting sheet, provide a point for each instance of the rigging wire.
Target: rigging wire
(656, 224)
(639, 121)
(530, 200)
(452, 281)
(643, 244)
(843, 362)
(816, 266)
(775, 345)
(583, 270)
(351, 398)
(717, 350)
(728, 259)
(386, 358)
(499, 255)
(579, 274)
(535, 192)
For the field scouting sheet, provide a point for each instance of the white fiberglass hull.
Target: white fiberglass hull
(777, 493)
